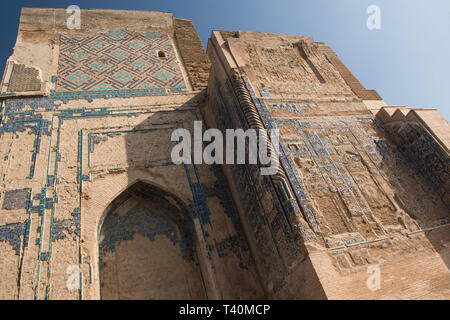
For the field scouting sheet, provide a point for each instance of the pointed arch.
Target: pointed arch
(147, 247)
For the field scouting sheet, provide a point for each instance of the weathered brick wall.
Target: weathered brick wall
(102, 126)
(87, 179)
(423, 142)
(191, 49)
(364, 190)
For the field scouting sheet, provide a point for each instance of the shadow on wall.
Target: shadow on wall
(422, 183)
(147, 247)
(155, 243)
(147, 240)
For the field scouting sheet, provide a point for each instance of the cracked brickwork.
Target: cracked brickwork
(87, 182)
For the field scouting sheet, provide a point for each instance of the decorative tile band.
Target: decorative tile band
(117, 60)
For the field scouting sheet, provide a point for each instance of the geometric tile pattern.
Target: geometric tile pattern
(117, 60)
(24, 78)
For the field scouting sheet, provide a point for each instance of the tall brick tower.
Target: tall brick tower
(360, 206)
(92, 206)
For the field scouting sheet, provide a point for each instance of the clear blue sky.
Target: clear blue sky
(407, 61)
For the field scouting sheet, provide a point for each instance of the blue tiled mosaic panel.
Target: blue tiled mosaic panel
(117, 60)
(17, 199)
(13, 233)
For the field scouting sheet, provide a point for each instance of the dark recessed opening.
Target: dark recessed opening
(161, 54)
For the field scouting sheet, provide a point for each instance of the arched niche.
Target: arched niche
(147, 247)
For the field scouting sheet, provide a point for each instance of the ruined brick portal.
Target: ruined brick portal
(147, 248)
(92, 206)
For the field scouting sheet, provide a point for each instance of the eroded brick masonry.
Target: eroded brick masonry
(87, 182)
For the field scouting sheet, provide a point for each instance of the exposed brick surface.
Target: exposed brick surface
(194, 57)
